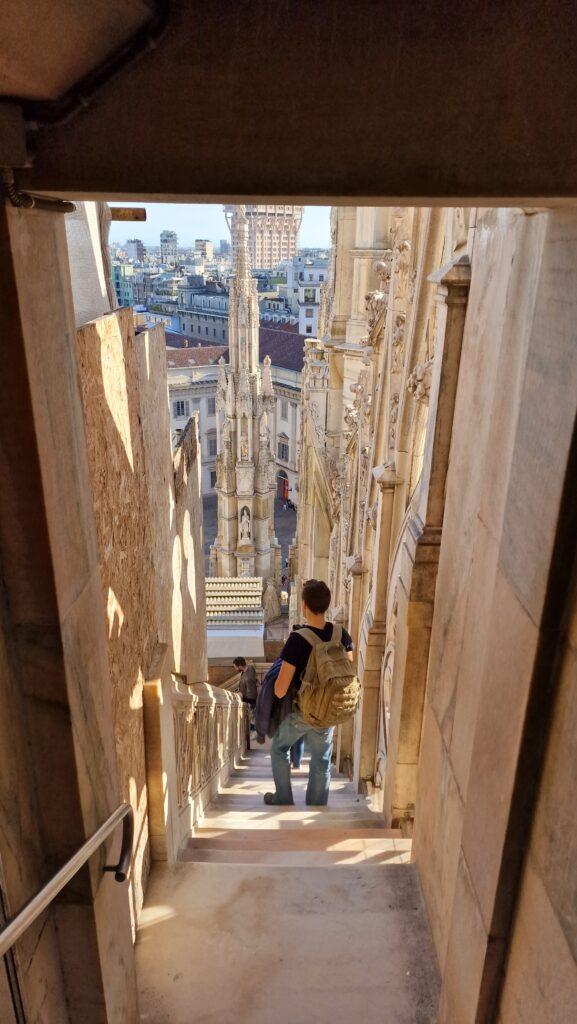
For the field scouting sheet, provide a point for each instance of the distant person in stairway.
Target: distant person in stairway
(248, 683)
(316, 598)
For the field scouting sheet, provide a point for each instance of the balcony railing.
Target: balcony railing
(210, 731)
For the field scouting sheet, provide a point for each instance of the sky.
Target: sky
(203, 220)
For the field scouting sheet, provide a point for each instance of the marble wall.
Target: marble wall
(108, 369)
(493, 635)
(76, 963)
(175, 515)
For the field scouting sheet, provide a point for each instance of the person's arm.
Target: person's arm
(349, 655)
(284, 679)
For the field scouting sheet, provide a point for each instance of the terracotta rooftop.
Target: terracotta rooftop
(284, 345)
(200, 356)
(178, 340)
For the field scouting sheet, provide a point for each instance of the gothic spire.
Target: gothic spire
(239, 230)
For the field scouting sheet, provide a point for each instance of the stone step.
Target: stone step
(385, 854)
(288, 820)
(247, 801)
(296, 839)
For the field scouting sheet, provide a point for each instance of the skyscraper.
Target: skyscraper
(168, 246)
(272, 233)
(245, 543)
(135, 250)
(205, 247)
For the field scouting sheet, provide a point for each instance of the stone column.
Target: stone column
(373, 630)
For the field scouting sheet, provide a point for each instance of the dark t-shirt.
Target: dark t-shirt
(296, 650)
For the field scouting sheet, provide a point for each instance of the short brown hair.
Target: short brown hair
(317, 596)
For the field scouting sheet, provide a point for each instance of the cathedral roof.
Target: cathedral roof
(233, 600)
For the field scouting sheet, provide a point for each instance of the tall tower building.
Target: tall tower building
(135, 250)
(245, 544)
(272, 233)
(168, 246)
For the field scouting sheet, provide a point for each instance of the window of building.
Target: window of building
(206, 330)
(284, 409)
(310, 277)
(211, 401)
(283, 451)
(309, 329)
(212, 447)
(309, 312)
(212, 478)
(180, 408)
(321, 277)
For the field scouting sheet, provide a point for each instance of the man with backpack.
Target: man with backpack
(316, 671)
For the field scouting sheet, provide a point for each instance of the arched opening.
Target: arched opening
(282, 485)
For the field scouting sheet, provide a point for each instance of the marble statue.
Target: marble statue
(245, 525)
(271, 602)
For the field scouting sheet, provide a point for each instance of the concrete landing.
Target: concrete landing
(286, 916)
(221, 944)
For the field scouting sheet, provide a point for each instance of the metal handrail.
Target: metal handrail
(18, 924)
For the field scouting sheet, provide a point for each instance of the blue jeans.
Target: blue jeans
(297, 751)
(320, 745)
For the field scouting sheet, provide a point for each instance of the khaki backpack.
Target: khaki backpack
(330, 690)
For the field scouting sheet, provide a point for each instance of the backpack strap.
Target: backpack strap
(337, 636)
(309, 635)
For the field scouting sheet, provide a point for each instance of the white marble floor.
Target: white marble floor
(286, 916)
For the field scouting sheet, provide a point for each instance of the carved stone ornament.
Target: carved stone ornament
(393, 417)
(398, 342)
(350, 417)
(355, 565)
(372, 516)
(419, 382)
(385, 476)
(244, 395)
(230, 397)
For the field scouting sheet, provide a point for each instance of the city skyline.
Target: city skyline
(207, 220)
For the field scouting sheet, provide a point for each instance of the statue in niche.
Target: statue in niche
(271, 602)
(264, 433)
(244, 449)
(245, 525)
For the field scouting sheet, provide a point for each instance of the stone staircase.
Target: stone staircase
(297, 915)
(240, 829)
